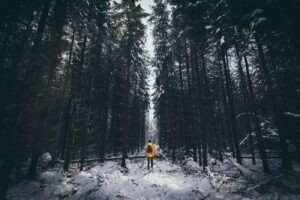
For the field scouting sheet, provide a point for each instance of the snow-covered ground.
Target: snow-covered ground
(165, 181)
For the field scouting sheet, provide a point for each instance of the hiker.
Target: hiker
(150, 152)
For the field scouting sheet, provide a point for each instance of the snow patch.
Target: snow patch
(207, 27)
(222, 40)
(292, 114)
(256, 12)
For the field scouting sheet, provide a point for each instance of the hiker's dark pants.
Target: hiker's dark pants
(150, 160)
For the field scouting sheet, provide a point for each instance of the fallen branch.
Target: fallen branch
(277, 197)
(220, 186)
(206, 196)
(265, 183)
(241, 172)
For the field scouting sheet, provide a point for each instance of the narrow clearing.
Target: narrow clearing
(165, 181)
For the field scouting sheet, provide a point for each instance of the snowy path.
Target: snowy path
(110, 181)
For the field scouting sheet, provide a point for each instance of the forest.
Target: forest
(75, 83)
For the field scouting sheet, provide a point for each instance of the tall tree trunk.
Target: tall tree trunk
(61, 133)
(209, 105)
(76, 103)
(182, 103)
(221, 131)
(126, 122)
(68, 134)
(276, 107)
(259, 138)
(6, 169)
(193, 138)
(245, 101)
(201, 100)
(226, 117)
(231, 109)
(32, 171)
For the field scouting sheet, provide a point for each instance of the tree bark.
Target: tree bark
(259, 138)
(231, 109)
(194, 138)
(276, 106)
(245, 101)
(75, 104)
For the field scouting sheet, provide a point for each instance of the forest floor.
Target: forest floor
(223, 180)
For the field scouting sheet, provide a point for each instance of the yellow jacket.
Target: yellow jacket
(150, 155)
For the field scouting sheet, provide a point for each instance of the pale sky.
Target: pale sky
(146, 5)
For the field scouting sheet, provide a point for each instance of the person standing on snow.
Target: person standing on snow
(150, 152)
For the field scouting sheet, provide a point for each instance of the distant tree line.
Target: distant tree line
(228, 78)
(73, 82)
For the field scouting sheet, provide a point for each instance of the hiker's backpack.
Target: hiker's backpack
(149, 148)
